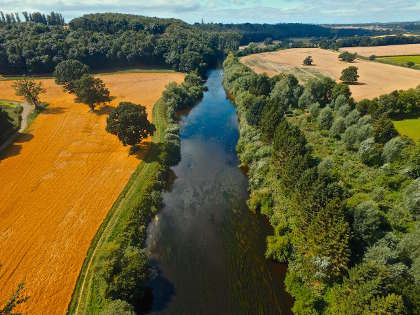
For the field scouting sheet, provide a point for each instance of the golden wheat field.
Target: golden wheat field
(57, 183)
(391, 50)
(375, 78)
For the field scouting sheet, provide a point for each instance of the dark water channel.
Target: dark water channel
(207, 248)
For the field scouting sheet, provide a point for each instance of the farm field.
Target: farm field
(401, 61)
(58, 182)
(375, 78)
(391, 50)
(409, 128)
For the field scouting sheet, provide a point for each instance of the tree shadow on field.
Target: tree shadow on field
(54, 110)
(104, 110)
(15, 146)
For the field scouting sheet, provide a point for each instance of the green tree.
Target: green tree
(308, 61)
(347, 57)
(68, 71)
(349, 75)
(126, 274)
(91, 91)
(383, 129)
(119, 307)
(325, 118)
(30, 90)
(129, 122)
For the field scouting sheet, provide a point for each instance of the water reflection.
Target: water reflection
(207, 246)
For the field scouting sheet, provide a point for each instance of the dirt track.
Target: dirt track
(57, 182)
(391, 50)
(375, 78)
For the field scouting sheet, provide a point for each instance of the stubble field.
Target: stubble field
(375, 78)
(391, 50)
(57, 183)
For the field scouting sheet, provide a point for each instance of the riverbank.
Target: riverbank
(337, 184)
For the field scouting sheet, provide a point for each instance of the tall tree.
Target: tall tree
(68, 71)
(91, 91)
(30, 90)
(129, 122)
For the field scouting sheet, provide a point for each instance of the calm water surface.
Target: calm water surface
(206, 247)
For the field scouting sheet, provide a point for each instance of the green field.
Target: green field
(401, 61)
(409, 128)
(13, 109)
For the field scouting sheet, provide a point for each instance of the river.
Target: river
(206, 247)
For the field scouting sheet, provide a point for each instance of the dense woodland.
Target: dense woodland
(101, 40)
(339, 186)
(259, 32)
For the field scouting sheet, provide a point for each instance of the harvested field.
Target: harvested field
(391, 50)
(57, 183)
(375, 78)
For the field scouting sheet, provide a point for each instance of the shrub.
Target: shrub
(351, 137)
(340, 101)
(370, 152)
(344, 110)
(325, 118)
(372, 57)
(352, 118)
(393, 149)
(119, 307)
(347, 57)
(412, 198)
(314, 110)
(126, 273)
(384, 130)
(338, 127)
(308, 61)
(368, 223)
(410, 64)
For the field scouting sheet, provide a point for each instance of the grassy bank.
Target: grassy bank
(401, 61)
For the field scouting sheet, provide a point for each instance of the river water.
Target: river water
(206, 247)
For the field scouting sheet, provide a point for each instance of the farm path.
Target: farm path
(27, 109)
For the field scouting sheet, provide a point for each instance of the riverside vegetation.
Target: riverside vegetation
(340, 187)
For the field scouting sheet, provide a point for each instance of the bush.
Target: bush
(384, 130)
(119, 307)
(372, 57)
(412, 198)
(351, 137)
(368, 223)
(393, 149)
(314, 110)
(370, 152)
(347, 57)
(325, 118)
(340, 101)
(338, 127)
(344, 110)
(126, 273)
(352, 118)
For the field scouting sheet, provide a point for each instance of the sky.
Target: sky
(235, 11)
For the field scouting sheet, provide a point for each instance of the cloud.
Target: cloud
(270, 11)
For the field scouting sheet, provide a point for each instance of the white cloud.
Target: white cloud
(320, 11)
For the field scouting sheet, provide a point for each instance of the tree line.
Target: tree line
(340, 188)
(101, 40)
(53, 18)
